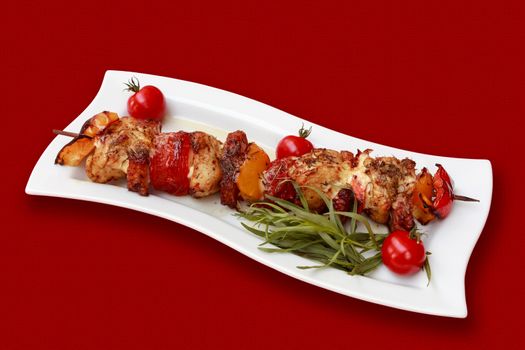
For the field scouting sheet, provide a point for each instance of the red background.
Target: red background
(440, 77)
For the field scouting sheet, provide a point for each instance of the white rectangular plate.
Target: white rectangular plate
(197, 107)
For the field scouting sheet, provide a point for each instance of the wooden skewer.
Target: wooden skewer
(74, 134)
(64, 133)
(464, 198)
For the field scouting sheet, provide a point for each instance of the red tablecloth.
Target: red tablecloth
(442, 77)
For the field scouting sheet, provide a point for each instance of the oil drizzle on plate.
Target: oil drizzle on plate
(178, 123)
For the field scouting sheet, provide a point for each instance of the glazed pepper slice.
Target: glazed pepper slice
(422, 198)
(170, 163)
(444, 194)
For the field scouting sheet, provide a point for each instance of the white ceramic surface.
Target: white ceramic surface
(198, 107)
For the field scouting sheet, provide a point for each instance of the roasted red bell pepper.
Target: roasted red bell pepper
(169, 166)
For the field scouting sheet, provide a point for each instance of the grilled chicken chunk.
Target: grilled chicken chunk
(401, 214)
(382, 185)
(123, 150)
(205, 170)
(321, 169)
(184, 163)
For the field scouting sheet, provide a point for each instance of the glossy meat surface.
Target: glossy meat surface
(124, 142)
(186, 163)
(383, 186)
(232, 157)
(205, 169)
(170, 163)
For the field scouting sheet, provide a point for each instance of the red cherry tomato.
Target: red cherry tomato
(147, 102)
(403, 254)
(292, 145)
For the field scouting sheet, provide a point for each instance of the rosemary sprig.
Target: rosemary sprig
(321, 237)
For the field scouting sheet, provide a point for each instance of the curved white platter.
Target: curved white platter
(199, 107)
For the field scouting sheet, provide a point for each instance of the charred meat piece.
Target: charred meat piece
(233, 156)
(121, 150)
(110, 159)
(383, 186)
(343, 201)
(277, 181)
(138, 170)
(321, 168)
(401, 214)
(81, 146)
(141, 134)
(374, 183)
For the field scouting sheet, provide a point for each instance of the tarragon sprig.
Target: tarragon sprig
(320, 237)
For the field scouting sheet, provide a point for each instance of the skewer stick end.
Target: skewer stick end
(65, 133)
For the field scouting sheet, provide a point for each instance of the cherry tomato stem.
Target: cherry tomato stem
(147, 102)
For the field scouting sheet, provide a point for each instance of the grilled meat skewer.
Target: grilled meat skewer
(195, 163)
(115, 148)
(383, 186)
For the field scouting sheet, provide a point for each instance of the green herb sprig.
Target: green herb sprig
(320, 237)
